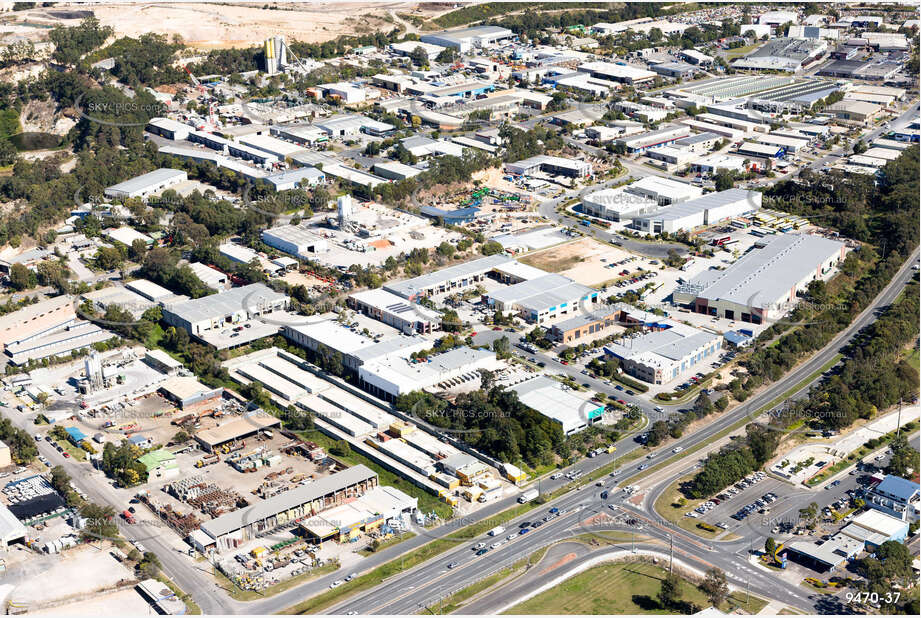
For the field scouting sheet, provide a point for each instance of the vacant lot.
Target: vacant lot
(581, 261)
(221, 25)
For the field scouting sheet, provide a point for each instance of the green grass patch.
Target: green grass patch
(75, 452)
(389, 542)
(669, 507)
(616, 588)
(914, 359)
(732, 54)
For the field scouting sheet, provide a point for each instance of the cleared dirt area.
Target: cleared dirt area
(580, 260)
(80, 571)
(236, 25)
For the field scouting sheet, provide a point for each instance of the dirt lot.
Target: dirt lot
(121, 603)
(79, 571)
(232, 25)
(579, 260)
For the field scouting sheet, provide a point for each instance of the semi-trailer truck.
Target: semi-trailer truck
(528, 495)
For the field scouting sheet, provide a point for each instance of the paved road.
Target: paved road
(396, 587)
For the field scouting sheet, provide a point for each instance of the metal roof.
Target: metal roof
(417, 285)
(287, 500)
(765, 275)
(226, 303)
(148, 180)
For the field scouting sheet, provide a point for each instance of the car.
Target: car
(524, 524)
(495, 545)
(554, 510)
(67, 455)
(722, 525)
(643, 467)
(131, 509)
(538, 524)
(336, 583)
(482, 551)
(479, 546)
(555, 476)
(524, 531)
(451, 565)
(351, 576)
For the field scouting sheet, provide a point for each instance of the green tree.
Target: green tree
(21, 278)
(770, 546)
(715, 587)
(670, 592)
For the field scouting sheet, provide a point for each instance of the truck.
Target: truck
(128, 516)
(527, 496)
(496, 531)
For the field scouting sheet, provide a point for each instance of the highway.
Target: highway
(420, 587)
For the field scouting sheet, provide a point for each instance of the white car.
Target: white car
(336, 583)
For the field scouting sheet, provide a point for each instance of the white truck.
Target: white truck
(496, 531)
(528, 495)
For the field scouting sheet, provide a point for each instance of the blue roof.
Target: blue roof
(449, 215)
(75, 434)
(736, 337)
(898, 487)
(137, 439)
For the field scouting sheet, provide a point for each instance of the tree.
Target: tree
(723, 179)
(341, 448)
(860, 147)
(501, 347)
(419, 57)
(491, 247)
(669, 593)
(904, 458)
(770, 546)
(100, 522)
(715, 587)
(703, 406)
(21, 278)
(810, 514)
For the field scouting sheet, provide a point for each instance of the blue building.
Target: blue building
(897, 497)
(75, 435)
(461, 215)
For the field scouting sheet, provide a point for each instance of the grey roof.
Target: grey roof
(287, 500)
(673, 343)
(604, 311)
(388, 347)
(417, 285)
(295, 175)
(543, 292)
(703, 203)
(476, 31)
(225, 303)
(767, 274)
(156, 177)
(696, 138)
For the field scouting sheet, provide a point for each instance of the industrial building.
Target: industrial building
(709, 209)
(543, 298)
(11, 529)
(391, 376)
(168, 128)
(857, 111)
(617, 204)
(653, 139)
(764, 283)
(353, 124)
(233, 307)
(270, 145)
(873, 528)
(467, 39)
(292, 179)
(557, 402)
(190, 394)
(212, 277)
(232, 529)
(145, 184)
(238, 428)
(665, 350)
(355, 348)
(783, 54)
(664, 191)
(452, 278)
(295, 240)
(575, 168)
(675, 70)
(396, 311)
(585, 327)
(620, 73)
(825, 556)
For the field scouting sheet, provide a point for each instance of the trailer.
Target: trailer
(528, 495)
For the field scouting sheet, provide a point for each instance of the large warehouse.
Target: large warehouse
(617, 204)
(550, 165)
(762, 284)
(397, 312)
(709, 209)
(553, 400)
(457, 278)
(543, 298)
(295, 240)
(230, 530)
(665, 351)
(392, 376)
(145, 184)
(466, 39)
(216, 313)
(621, 73)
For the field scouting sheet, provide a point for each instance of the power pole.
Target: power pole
(671, 553)
(898, 430)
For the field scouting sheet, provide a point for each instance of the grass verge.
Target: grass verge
(191, 606)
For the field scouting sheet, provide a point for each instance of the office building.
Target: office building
(566, 407)
(708, 209)
(394, 310)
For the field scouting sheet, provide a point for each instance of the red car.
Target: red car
(563, 362)
(497, 328)
(66, 454)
